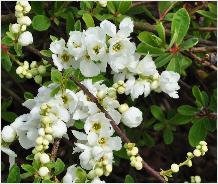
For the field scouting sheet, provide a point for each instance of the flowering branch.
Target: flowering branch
(123, 136)
(54, 150)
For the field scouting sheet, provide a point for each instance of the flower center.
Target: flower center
(116, 47)
(76, 45)
(102, 141)
(65, 57)
(64, 98)
(96, 126)
(97, 49)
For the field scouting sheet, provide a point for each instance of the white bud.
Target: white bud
(198, 147)
(18, 8)
(105, 162)
(19, 70)
(39, 147)
(23, 28)
(139, 159)
(101, 94)
(204, 148)
(15, 28)
(115, 85)
(91, 174)
(156, 76)
(26, 65)
(33, 64)
(41, 131)
(197, 179)
(197, 153)
(45, 147)
(45, 142)
(8, 134)
(44, 158)
(120, 82)
(27, 9)
(25, 20)
(138, 165)
(49, 137)
(132, 158)
(59, 129)
(18, 14)
(109, 168)
(24, 3)
(48, 130)
(43, 171)
(46, 120)
(123, 108)
(112, 92)
(134, 151)
(29, 75)
(25, 38)
(103, 3)
(37, 156)
(99, 172)
(189, 163)
(189, 154)
(39, 140)
(121, 90)
(154, 85)
(203, 143)
(42, 69)
(175, 168)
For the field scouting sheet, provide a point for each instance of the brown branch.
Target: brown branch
(139, 3)
(123, 136)
(204, 49)
(54, 150)
(206, 29)
(8, 18)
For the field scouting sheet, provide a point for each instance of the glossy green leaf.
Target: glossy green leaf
(8, 116)
(157, 112)
(187, 110)
(145, 48)
(87, 18)
(168, 136)
(198, 96)
(14, 174)
(129, 179)
(163, 59)
(124, 6)
(46, 53)
(161, 31)
(41, 22)
(187, 44)
(6, 62)
(111, 7)
(56, 76)
(59, 167)
(28, 168)
(77, 25)
(180, 119)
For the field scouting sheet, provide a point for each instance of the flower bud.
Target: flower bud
(38, 79)
(42, 69)
(123, 108)
(101, 94)
(197, 153)
(44, 158)
(39, 147)
(156, 76)
(25, 20)
(189, 163)
(43, 171)
(46, 120)
(33, 64)
(120, 90)
(29, 75)
(189, 154)
(8, 134)
(197, 179)
(109, 168)
(115, 85)
(175, 168)
(45, 147)
(91, 174)
(18, 8)
(138, 165)
(24, 3)
(39, 140)
(203, 143)
(103, 3)
(99, 172)
(204, 148)
(134, 151)
(18, 14)
(154, 85)
(45, 142)
(23, 28)
(25, 38)
(37, 156)
(48, 130)
(19, 70)
(120, 82)
(15, 28)
(105, 162)
(49, 137)
(41, 131)
(139, 159)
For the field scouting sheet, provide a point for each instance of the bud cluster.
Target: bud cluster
(120, 87)
(32, 70)
(195, 179)
(132, 151)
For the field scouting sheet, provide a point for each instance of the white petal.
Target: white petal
(115, 143)
(79, 135)
(57, 62)
(89, 69)
(108, 27)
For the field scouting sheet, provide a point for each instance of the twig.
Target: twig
(8, 18)
(203, 5)
(123, 136)
(204, 49)
(54, 150)
(13, 94)
(138, 3)
(206, 29)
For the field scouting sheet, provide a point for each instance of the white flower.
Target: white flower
(70, 175)
(132, 117)
(97, 180)
(146, 66)
(97, 123)
(25, 20)
(126, 27)
(15, 28)
(59, 129)
(8, 134)
(169, 83)
(12, 155)
(26, 38)
(109, 28)
(61, 57)
(137, 87)
(76, 45)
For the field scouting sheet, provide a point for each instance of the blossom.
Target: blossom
(8, 134)
(70, 175)
(59, 129)
(25, 20)
(15, 28)
(12, 155)
(132, 117)
(169, 83)
(61, 57)
(25, 38)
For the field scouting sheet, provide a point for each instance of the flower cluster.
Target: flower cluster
(33, 70)
(200, 150)
(93, 49)
(23, 37)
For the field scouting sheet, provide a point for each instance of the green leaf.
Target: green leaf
(77, 25)
(161, 31)
(46, 181)
(157, 112)
(6, 103)
(164, 5)
(197, 132)
(187, 110)
(41, 22)
(163, 59)
(56, 76)
(36, 164)
(148, 140)
(111, 7)
(53, 38)
(198, 96)
(37, 180)
(103, 17)
(30, 157)
(180, 119)
(6, 62)
(187, 44)
(173, 39)
(124, 6)
(180, 24)
(28, 95)
(28, 168)
(9, 116)
(129, 179)
(158, 126)
(18, 49)
(59, 167)
(7, 41)
(79, 124)
(71, 85)
(68, 72)
(145, 48)
(121, 153)
(81, 175)
(14, 174)
(87, 18)
(46, 53)
(211, 125)
(37, 7)
(69, 22)
(168, 136)
(207, 14)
